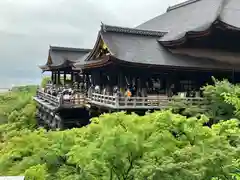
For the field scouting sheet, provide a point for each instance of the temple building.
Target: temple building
(178, 51)
(142, 68)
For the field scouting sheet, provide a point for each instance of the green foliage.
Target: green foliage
(160, 145)
(45, 80)
(189, 108)
(119, 146)
(17, 111)
(27, 89)
(218, 108)
(214, 105)
(16, 100)
(37, 172)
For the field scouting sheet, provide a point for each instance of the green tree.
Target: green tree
(214, 104)
(119, 146)
(45, 80)
(160, 145)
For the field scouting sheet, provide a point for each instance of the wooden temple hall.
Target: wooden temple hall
(173, 54)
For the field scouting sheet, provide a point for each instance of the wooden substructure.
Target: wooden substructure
(55, 113)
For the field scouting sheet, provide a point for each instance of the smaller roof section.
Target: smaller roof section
(60, 57)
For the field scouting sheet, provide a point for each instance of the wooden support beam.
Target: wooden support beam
(72, 75)
(64, 78)
(52, 77)
(58, 78)
(74, 78)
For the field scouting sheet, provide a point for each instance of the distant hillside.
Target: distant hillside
(28, 88)
(10, 82)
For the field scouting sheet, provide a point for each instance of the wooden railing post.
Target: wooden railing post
(117, 101)
(134, 101)
(143, 101)
(61, 100)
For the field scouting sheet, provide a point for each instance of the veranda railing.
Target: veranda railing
(149, 102)
(73, 100)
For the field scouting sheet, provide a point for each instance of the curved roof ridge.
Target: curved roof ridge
(185, 3)
(127, 30)
(62, 48)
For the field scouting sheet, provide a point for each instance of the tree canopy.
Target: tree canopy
(161, 145)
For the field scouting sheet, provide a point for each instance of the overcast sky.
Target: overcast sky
(28, 27)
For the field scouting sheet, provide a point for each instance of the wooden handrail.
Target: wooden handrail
(136, 102)
(79, 99)
(75, 99)
(49, 98)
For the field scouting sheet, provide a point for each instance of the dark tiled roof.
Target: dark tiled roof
(230, 13)
(141, 44)
(146, 50)
(194, 16)
(59, 55)
(81, 65)
(81, 60)
(119, 30)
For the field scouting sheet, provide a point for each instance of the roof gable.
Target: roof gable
(95, 52)
(49, 60)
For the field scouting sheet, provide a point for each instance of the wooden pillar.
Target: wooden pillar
(102, 80)
(52, 77)
(58, 78)
(55, 77)
(143, 85)
(72, 74)
(64, 78)
(87, 81)
(96, 78)
(121, 82)
(93, 81)
(171, 82)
